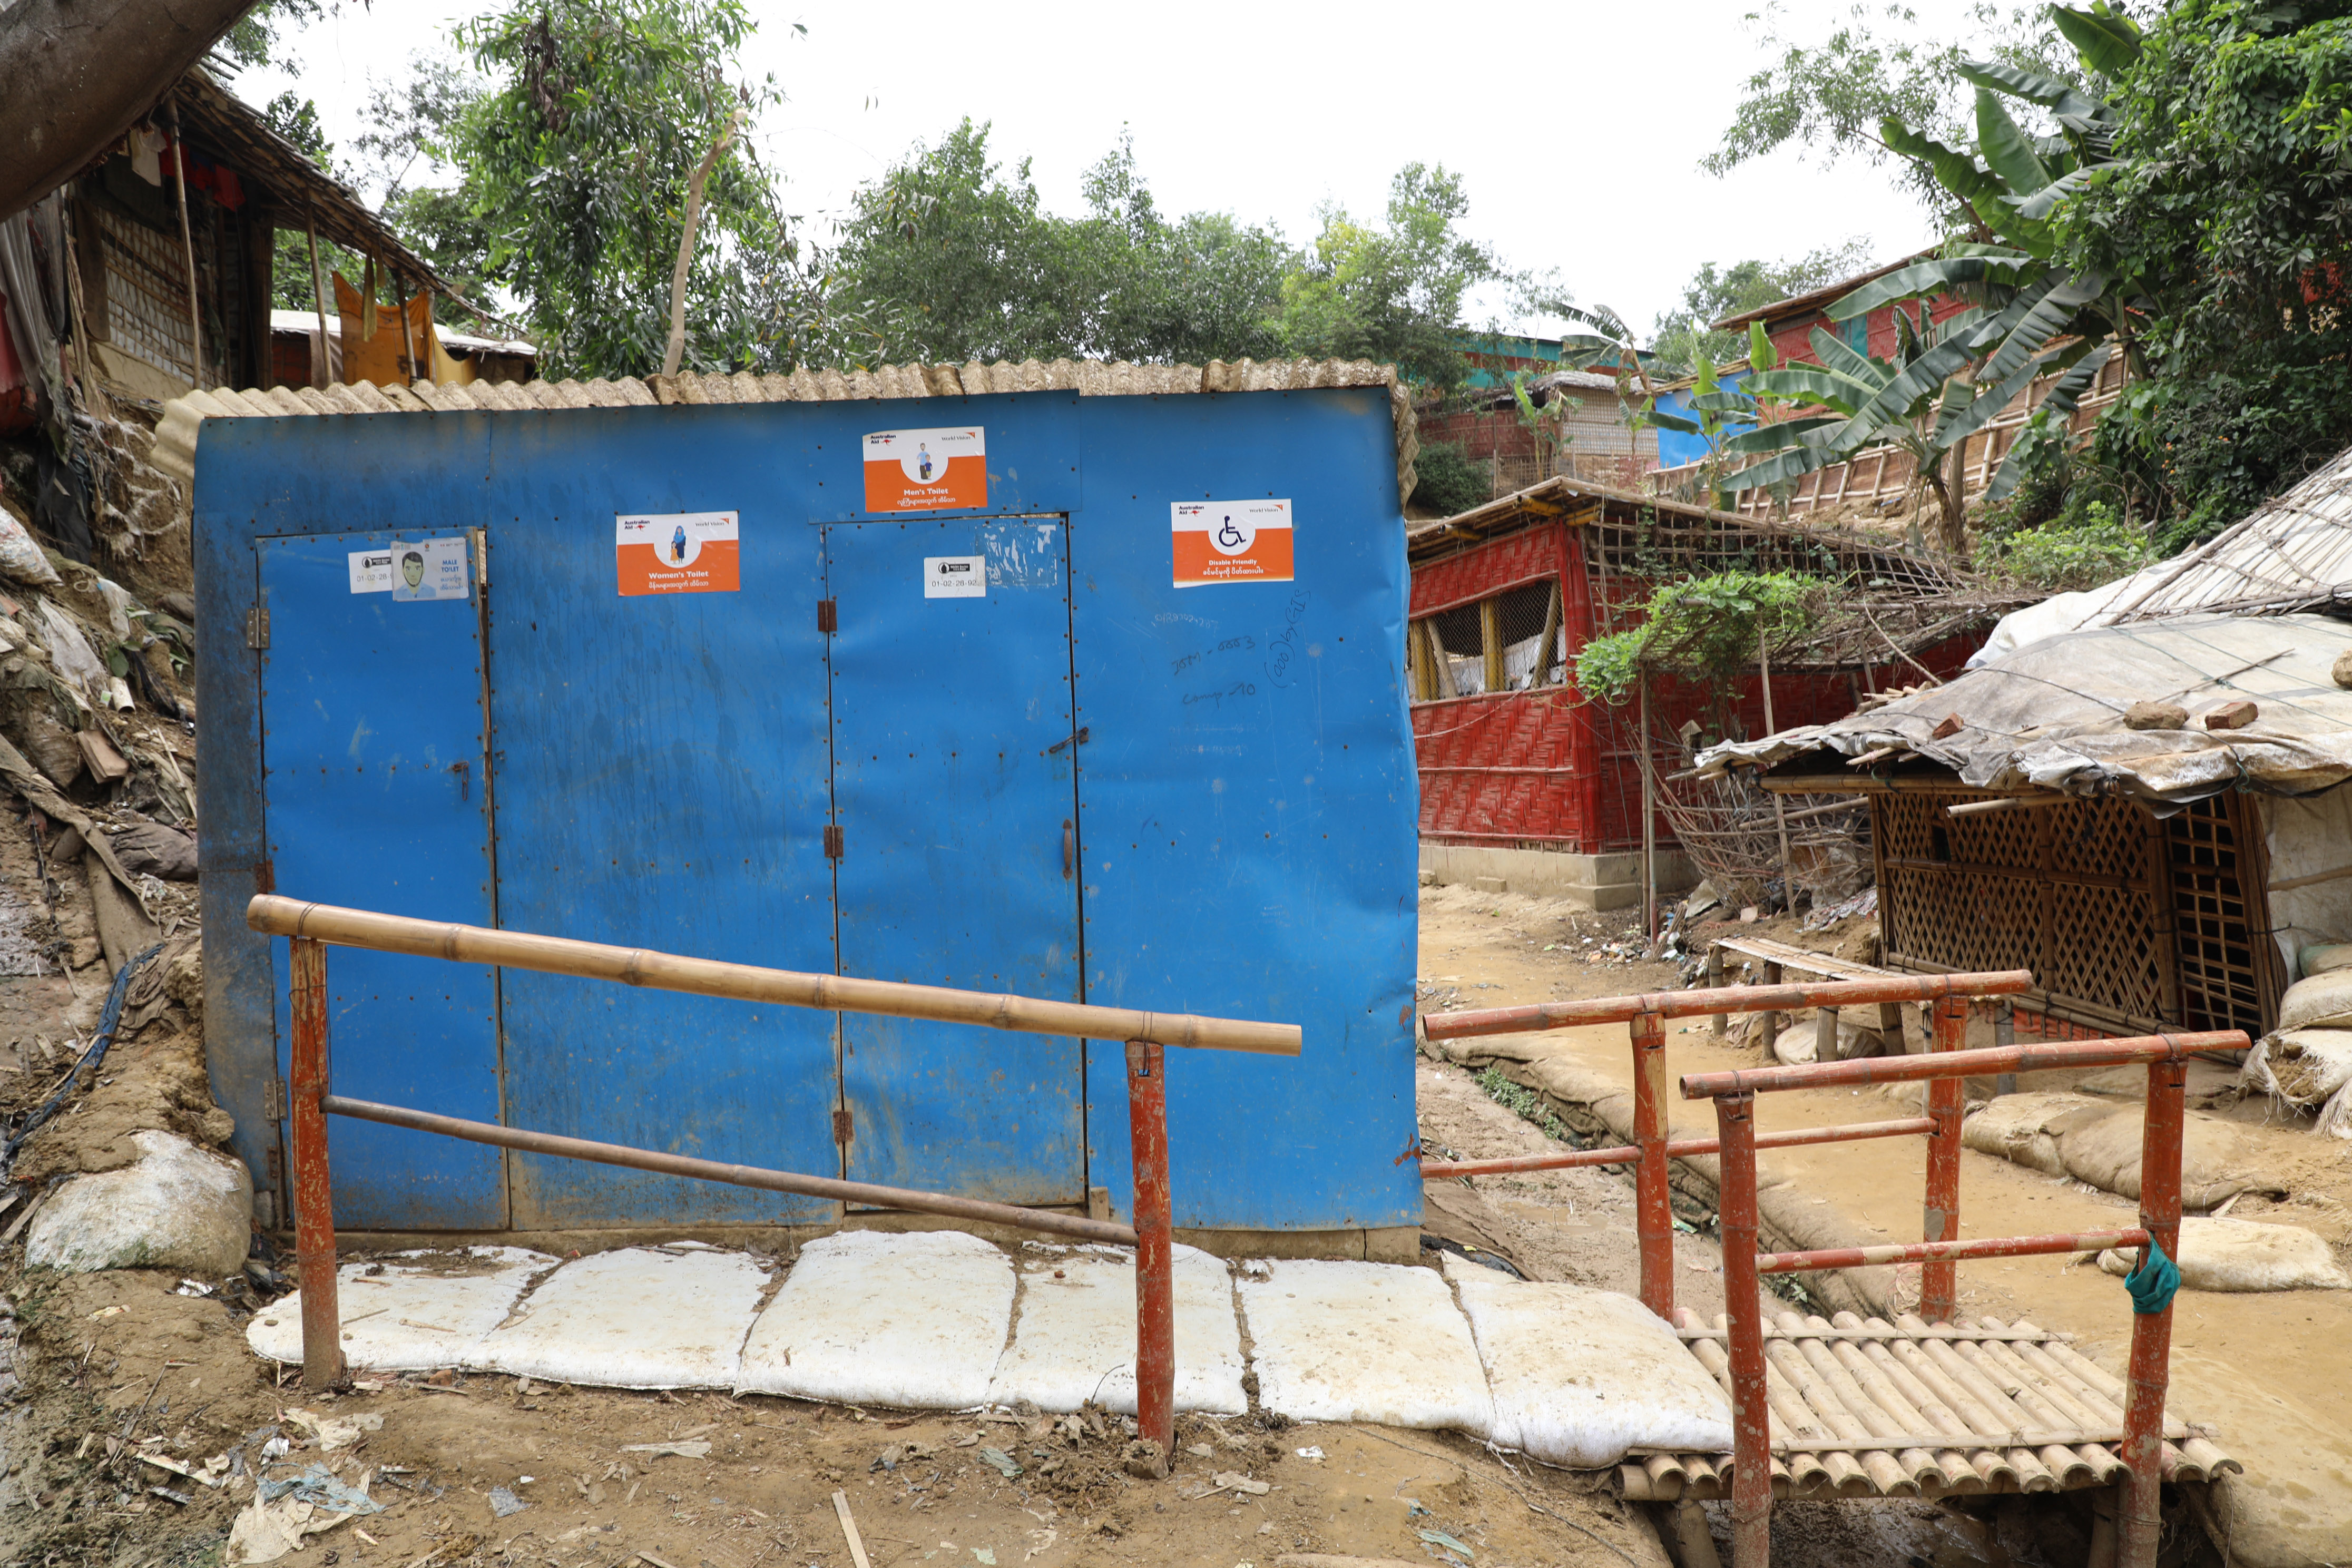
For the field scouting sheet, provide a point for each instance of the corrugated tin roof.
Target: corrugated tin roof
(2051, 714)
(1797, 304)
(183, 418)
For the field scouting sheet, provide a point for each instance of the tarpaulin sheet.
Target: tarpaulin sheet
(2049, 714)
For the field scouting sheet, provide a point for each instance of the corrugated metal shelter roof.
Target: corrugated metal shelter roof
(2049, 715)
(183, 418)
(1796, 304)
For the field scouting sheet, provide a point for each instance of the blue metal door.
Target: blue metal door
(954, 793)
(376, 794)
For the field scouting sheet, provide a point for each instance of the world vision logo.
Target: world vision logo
(1230, 541)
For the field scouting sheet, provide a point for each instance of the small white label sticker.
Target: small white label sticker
(955, 576)
(429, 568)
(371, 571)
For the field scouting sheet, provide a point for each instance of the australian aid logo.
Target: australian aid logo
(926, 470)
(1231, 542)
(676, 552)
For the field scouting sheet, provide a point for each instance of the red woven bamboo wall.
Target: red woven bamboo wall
(1546, 768)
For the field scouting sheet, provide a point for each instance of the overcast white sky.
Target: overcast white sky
(1578, 127)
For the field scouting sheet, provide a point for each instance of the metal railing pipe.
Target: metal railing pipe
(1076, 1226)
(1988, 1062)
(1541, 1016)
(286, 917)
(1946, 1252)
(1625, 1154)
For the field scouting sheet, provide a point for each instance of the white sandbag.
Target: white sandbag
(1580, 1376)
(913, 1321)
(668, 1317)
(179, 1207)
(2097, 1141)
(20, 557)
(2322, 956)
(2304, 1068)
(2246, 1254)
(1377, 1342)
(1075, 1337)
(415, 1312)
(2322, 1001)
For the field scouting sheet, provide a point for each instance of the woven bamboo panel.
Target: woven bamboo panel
(1861, 1407)
(2065, 891)
(2229, 977)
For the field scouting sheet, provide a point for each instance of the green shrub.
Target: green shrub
(1705, 626)
(1449, 483)
(2065, 555)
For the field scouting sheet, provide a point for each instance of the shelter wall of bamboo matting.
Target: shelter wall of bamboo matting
(1861, 1407)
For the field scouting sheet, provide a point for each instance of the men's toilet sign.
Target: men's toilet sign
(1231, 542)
(926, 470)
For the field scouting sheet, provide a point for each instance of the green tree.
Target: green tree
(1396, 293)
(1685, 334)
(1829, 101)
(575, 161)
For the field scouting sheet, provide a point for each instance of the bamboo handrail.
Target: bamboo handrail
(279, 916)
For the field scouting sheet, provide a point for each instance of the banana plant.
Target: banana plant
(1945, 381)
(2072, 320)
(1717, 406)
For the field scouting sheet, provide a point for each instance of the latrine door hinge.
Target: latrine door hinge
(273, 1094)
(842, 1129)
(828, 616)
(833, 841)
(256, 626)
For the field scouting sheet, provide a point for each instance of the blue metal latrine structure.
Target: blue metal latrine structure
(1061, 776)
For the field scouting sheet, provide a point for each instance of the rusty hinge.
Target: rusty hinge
(833, 841)
(274, 1097)
(842, 1129)
(828, 616)
(274, 1161)
(256, 626)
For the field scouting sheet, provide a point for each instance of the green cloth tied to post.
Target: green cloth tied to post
(2152, 1284)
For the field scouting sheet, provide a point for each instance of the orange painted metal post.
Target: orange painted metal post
(1155, 1280)
(1751, 1431)
(1652, 1201)
(1940, 1217)
(2151, 1345)
(314, 1200)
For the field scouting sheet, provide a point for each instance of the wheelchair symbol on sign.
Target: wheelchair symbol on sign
(1230, 538)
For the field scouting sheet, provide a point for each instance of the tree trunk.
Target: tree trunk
(82, 72)
(1952, 508)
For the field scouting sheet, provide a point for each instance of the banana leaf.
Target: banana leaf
(1940, 274)
(2049, 91)
(2107, 40)
(1783, 434)
(2049, 317)
(2063, 400)
(1833, 353)
(2043, 202)
(1814, 383)
(2007, 148)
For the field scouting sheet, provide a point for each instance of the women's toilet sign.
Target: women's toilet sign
(927, 470)
(1231, 542)
(676, 552)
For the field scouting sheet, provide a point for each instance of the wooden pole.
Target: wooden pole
(314, 1198)
(319, 297)
(187, 248)
(1648, 823)
(1780, 809)
(2151, 1341)
(277, 916)
(1490, 643)
(1155, 1264)
(1653, 1222)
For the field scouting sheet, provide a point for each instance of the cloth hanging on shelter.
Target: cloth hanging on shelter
(378, 355)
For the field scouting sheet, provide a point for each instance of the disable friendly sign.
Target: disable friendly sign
(1231, 542)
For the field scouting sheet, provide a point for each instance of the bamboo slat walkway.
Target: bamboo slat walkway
(1861, 1407)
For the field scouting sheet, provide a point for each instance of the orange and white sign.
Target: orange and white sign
(676, 552)
(926, 470)
(1231, 541)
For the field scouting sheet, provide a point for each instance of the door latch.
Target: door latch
(1069, 849)
(833, 841)
(828, 616)
(465, 771)
(1081, 738)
